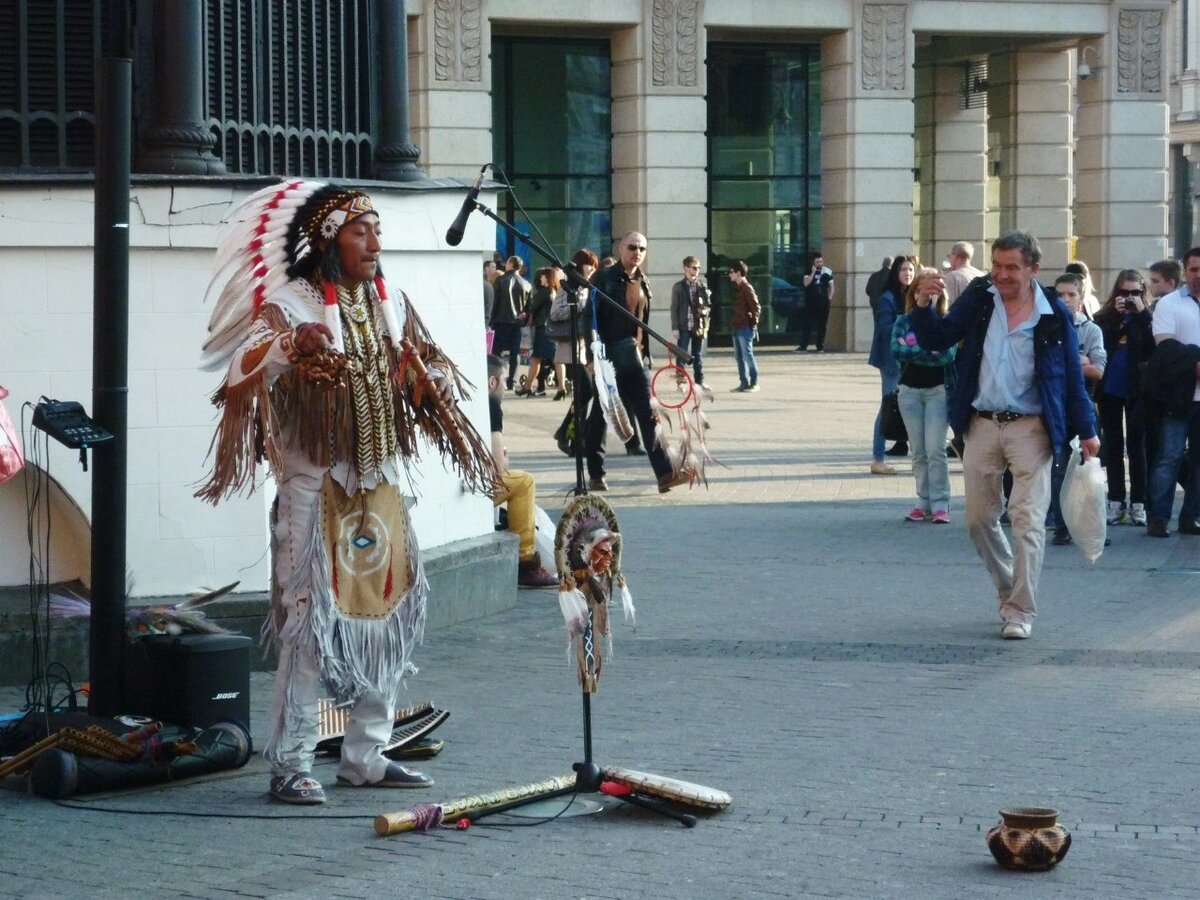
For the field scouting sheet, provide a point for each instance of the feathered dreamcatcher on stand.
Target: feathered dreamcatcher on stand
(686, 448)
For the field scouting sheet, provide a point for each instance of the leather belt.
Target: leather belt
(1000, 416)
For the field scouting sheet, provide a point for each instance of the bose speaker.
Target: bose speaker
(189, 679)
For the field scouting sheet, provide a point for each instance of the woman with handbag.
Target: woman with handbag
(924, 376)
(886, 309)
(541, 357)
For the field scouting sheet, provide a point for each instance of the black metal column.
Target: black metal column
(177, 142)
(395, 156)
(110, 365)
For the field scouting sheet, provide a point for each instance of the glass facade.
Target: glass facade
(552, 137)
(764, 170)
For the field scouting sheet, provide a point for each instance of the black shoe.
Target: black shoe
(1189, 526)
(560, 394)
(799, 349)
(1062, 537)
(508, 383)
(635, 450)
(540, 392)
(1157, 528)
(900, 448)
(597, 484)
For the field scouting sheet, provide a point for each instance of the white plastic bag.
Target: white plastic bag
(1082, 500)
(545, 538)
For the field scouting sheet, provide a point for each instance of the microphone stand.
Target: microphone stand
(588, 776)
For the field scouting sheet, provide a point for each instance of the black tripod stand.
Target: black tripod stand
(589, 777)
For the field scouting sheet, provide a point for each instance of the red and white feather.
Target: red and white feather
(252, 261)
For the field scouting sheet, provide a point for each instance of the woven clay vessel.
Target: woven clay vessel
(1029, 839)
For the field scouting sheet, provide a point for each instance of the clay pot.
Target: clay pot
(1029, 839)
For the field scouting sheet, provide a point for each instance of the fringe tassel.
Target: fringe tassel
(244, 435)
(361, 655)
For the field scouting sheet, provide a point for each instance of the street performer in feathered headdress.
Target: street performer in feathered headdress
(330, 378)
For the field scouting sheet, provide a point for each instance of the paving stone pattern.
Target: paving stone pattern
(836, 669)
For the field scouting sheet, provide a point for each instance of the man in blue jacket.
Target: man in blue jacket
(1020, 396)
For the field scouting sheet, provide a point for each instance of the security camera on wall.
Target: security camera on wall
(1084, 71)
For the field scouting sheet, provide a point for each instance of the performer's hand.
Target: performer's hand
(442, 385)
(313, 337)
(647, 362)
(1090, 448)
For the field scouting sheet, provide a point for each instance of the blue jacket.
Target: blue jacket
(1066, 408)
(886, 308)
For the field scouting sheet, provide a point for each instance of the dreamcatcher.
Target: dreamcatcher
(686, 449)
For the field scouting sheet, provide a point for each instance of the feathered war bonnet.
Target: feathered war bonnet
(283, 231)
(587, 534)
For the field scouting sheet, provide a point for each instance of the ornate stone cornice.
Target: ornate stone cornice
(457, 40)
(1140, 51)
(675, 43)
(884, 46)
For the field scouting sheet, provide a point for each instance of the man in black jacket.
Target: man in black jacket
(511, 297)
(627, 346)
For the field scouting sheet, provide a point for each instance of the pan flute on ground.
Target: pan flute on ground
(412, 725)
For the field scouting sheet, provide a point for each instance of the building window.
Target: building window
(287, 86)
(764, 174)
(47, 57)
(552, 137)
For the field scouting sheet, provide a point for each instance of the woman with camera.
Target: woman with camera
(1125, 320)
(924, 375)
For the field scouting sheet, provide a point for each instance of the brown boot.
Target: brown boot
(532, 574)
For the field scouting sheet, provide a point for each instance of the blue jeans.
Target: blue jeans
(743, 347)
(889, 379)
(1175, 432)
(695, 346)
(924, 414)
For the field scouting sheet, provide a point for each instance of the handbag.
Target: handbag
(891, 422)
(558, 331)
(11, 459)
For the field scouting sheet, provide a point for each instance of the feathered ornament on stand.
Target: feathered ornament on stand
(587, 554)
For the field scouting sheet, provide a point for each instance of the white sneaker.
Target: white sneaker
(1016, 631)
(1137, 514)
(1116, 512)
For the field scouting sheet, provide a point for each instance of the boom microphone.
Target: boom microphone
(454, 234)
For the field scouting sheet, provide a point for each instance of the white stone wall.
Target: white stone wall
(175, 542)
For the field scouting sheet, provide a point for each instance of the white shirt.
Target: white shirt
(1178, 314)
(1006, 378)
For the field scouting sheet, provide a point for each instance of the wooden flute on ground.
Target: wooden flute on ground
(430, 815)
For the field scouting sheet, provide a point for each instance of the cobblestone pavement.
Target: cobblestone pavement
(836, 669)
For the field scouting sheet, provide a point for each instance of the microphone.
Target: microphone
(454, 234)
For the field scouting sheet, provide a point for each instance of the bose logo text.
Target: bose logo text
(231, 695)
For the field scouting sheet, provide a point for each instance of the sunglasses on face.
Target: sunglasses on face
(693, 268)
(640, 248)
(1136, 292)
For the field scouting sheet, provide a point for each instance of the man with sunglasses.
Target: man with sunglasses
(627, 346)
